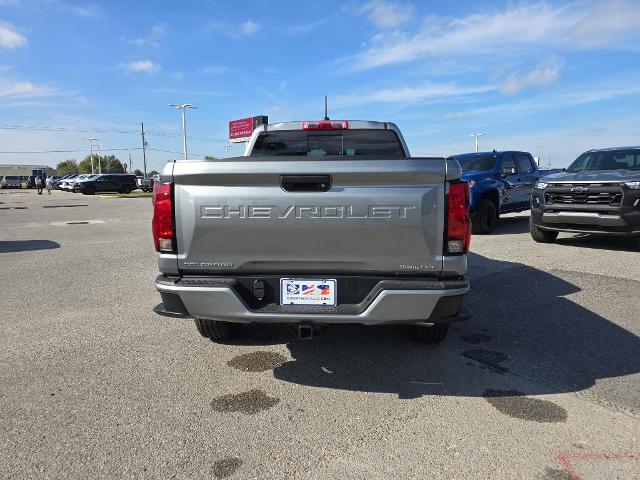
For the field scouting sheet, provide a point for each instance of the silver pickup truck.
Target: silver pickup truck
(320, 222)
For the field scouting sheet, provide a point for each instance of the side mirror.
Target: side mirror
(509, 170)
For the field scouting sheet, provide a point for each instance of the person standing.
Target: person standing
(39, 184)
(48, 182)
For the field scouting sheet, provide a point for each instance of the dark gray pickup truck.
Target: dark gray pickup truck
(598, 194)
(320, 222)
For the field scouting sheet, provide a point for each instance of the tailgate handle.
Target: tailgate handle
(305, 183)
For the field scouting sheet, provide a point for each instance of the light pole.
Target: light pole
(91, 140)
(476, 135)
(183, 107)
(226, 150)
(99, 162)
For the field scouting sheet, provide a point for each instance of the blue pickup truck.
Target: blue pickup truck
(501, 182)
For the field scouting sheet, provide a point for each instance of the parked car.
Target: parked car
(55, 180)
(544, 173)
(599, 193)
(111, 182)
(82, 178)
(10, 181)
(146, 184)
(500, 182)
(334, 223)
(66, 182)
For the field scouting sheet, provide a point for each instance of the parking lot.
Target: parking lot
(543, 382)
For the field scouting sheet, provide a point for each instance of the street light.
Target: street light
(183, 107)
(91, 140)
(477, 135)
(99, 161)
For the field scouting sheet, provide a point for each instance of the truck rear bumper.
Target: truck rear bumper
(217, 299)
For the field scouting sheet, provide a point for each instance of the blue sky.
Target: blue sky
(553, 78)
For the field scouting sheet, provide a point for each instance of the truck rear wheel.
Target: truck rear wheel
(216, 330)
(541, 236)
(433, 334)
(486, 217)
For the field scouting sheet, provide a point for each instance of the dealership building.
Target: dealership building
(24, 170)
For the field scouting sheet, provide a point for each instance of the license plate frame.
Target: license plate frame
(318, 292)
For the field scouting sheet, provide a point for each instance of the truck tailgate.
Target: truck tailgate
(376, 216)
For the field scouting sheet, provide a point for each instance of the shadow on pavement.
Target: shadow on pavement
(522, 324)
(13, 246)
(601, 242)
(507, 225)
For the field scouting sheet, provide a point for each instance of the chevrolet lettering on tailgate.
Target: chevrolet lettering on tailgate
(306, 211)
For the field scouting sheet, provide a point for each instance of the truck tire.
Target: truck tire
(541, 236)
(89, 190)
(486, 217)
(216, 330)
(433, 334)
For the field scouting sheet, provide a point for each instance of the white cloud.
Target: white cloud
(91, 10)
(143, 66)
(178, 75)
(152, 39)
(543, 103)
(10, 38)
(605, 23)
(305, 28)
(539, 76)
(214, 70)
(249, 27)
(399, 95)
(386, 14)
(246, 28)
(22, 89)
(517, 28)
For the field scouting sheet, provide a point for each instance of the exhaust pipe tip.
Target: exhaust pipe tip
(305, 331)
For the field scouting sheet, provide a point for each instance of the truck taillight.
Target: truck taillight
(458, 234)
(163, 219)
(326, 125)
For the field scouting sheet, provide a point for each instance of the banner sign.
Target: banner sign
(240, 130)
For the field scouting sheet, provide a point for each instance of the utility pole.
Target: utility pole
(130, 171)
(183, 107)
(476, 135)
(144, 151)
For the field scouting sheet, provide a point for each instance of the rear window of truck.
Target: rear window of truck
(349, 143)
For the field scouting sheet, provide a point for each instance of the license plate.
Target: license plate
(307, 291)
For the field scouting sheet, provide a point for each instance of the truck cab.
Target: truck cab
(500, 182)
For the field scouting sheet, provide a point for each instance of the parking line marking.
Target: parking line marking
(76, 222)
(565, 459)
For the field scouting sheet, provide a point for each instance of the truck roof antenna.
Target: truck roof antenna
(326, 116)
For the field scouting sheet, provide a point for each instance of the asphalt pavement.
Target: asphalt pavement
(543, 382)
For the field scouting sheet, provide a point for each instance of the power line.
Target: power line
(99, 130)
(69, 151)
(178, 153)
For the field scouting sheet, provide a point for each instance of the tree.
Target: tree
(66, 167)
(152, 173)
(209, 157)
(138, 173)
(108, 164)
